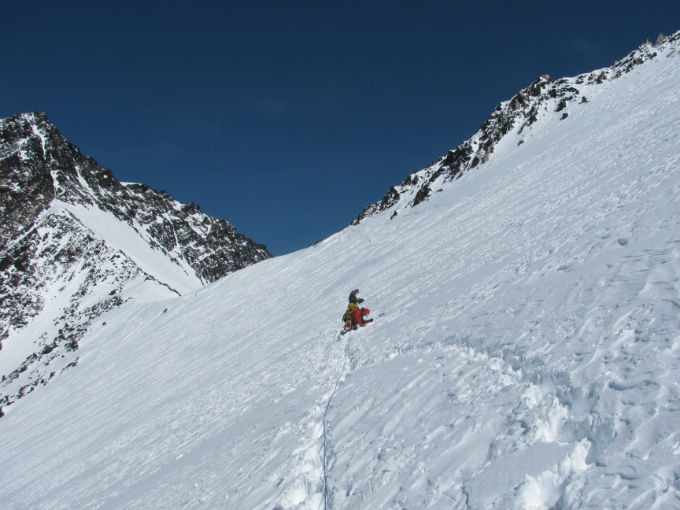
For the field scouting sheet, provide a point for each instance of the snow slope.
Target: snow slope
(525, 351)
(177, 273)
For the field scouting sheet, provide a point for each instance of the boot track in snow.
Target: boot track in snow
(324, 462)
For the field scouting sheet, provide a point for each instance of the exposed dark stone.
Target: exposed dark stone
(422, 195)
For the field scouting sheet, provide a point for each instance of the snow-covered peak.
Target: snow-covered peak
(43, 165)
(75, 243)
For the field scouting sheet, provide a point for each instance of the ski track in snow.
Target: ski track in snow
(525, 351)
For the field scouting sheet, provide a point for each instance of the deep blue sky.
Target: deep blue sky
(287, 118)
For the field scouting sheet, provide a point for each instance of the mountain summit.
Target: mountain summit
(76, 242)
(525, 349)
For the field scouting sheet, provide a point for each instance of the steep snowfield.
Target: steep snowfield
(525, 351)
(177, 273)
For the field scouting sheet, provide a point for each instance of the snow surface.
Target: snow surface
(121, 236)
(67, 290)
(525, 351)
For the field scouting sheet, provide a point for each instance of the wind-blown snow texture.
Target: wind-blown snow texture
(525, 351)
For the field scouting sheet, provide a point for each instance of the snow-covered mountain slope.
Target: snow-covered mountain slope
(76, 243)
(525, 351)
(515, 121)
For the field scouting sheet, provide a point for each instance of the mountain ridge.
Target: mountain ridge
(79, 179)
(64, 219)
(542, 97)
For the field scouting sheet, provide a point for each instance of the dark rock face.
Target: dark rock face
(55, 270)
(517, 114)
(26, 186)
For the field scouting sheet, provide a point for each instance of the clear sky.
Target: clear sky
(287, 118)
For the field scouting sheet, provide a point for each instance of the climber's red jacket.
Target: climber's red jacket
(358, 316)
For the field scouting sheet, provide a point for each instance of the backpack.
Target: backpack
(350, 310)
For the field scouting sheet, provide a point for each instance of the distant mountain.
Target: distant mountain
(76, 242)
(544, 97)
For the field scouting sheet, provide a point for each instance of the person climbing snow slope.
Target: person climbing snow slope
(354, 315)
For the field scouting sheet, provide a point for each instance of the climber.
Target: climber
(354, 316)
(353, 297)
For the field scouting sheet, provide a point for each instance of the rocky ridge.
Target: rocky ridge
(544, 97)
